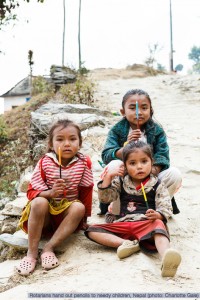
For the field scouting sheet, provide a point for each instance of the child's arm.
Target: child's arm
(37, 183)
(153, 215)
(134, 135)
(85, 190)
(115, 140)
(112, 170)
(57, 190)
(38, 186)
(163, 201)
(160, 150)
(85, 196)
(109, 193)
(156, 170)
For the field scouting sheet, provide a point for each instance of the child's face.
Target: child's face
(68, 141)
(144, 110)
(138, 165)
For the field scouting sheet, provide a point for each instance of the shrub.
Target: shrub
(82, 91)
(3, 130)
(41, 85)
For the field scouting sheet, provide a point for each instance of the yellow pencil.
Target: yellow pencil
(145, 197)
(59, 159)
(125, 143)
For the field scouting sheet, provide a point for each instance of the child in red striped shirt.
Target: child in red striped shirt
(60, 196)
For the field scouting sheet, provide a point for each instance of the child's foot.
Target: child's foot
(127, 248)
(49, 260)
(26, 266)
(170, 263)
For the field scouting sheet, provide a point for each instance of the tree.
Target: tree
(30, 62)
(63, 44)
(153, 51)
(195, 56)
(79, 36)
(179, 67)
(161, 67)
(6, 10)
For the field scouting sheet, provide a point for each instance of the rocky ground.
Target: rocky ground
(86, 267)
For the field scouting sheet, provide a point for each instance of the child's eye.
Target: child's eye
(144, 161)
(73, 139)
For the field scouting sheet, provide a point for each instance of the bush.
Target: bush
(41, 85)
(82, 91)
(3, 131)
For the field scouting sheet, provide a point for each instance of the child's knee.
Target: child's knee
(176, 175)
(172, 178)
(78, 208)
(40, 204)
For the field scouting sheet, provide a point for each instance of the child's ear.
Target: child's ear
(122, 111)
(50, 147)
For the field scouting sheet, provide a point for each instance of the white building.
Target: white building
(17, 95)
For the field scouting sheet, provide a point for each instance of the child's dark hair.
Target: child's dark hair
(133, 147)
(137, 92)
(63, 124)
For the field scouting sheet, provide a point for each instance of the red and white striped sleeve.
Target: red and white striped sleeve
(37, 183)
(87, 178)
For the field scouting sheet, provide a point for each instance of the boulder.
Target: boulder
(14, 208)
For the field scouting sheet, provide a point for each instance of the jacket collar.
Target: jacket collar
(52, 155)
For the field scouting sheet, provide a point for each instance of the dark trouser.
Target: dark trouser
(103, 208)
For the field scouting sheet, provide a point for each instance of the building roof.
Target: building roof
(21, 88)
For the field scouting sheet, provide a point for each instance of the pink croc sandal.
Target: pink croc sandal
(26, 266)
(49, 260)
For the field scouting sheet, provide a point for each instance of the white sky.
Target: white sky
(114, 33)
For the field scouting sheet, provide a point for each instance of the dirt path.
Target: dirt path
(89, 268)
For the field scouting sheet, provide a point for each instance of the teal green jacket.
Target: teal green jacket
(156, 137)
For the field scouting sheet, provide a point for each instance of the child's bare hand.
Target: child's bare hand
(153, 215)
(58, 188)
(155, 170)
(134, 135)
(117, 170)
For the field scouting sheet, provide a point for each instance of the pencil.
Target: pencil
(145, 197)
(59, 160)
(137, 114)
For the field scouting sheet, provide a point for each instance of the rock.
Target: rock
(52, 108)
(96, 131)
(16, 242)
(83, 115)
(14, 208)
(62, 75)
(3, 202)
(2, 218)
(25, 179)
(9, 225)
(41, 123)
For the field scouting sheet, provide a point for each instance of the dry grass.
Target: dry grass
(15, 151)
